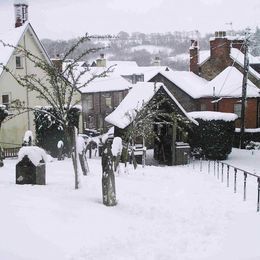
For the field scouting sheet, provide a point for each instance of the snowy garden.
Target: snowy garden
(167, 212)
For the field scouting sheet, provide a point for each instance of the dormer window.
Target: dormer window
(18, 62)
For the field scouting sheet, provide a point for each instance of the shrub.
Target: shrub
(214, 134)
(49, 130)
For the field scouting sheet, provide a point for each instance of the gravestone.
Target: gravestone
(28, 173)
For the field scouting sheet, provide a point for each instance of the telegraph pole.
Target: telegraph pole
(244, 87)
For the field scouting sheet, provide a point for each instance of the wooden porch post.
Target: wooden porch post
(174, 130)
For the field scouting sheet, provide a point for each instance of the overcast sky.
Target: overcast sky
(64, 19)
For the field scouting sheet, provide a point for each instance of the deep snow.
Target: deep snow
(162, 213)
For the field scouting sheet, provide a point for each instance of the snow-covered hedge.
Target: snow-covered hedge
(49, 130)
(250, 135)
(214, 134)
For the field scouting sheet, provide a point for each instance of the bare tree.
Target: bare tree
(60, 86)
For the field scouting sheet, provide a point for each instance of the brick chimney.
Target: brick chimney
(57, 62)
(194, 57)
(101, 61)
(21, 12)
(220, 46)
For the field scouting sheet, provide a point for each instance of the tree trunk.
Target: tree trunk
(108, 176)
(84, 163)
(75, 157)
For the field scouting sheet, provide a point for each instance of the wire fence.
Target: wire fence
(238, 179)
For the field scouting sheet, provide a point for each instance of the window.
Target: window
(237, 109)
(203, 107)
(120, 97)
(6, 100)
(18, 62)
(108, 100)
(89, 102)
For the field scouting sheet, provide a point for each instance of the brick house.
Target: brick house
(224, 51)
(197, 94)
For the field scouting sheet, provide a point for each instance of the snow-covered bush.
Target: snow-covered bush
(49, 129)
(214, 134)
(250, 135)
(253, 146)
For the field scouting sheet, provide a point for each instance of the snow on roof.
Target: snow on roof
(140, 94)
(204, 56)
(238, 56)
(11, 37)
(110, 83)
(226, 84)
(229, 84)
(210, 115)
(22, 2)
(189, 82)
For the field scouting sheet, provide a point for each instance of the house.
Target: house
(224, 51)
(102, 95)
(23, 34)
(141, 95)
(222, 93)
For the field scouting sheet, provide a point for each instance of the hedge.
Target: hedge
(213, 138)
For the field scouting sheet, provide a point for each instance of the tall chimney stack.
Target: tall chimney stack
(21, 12)
(194, 57)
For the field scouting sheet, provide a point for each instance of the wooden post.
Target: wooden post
(108, 176)
(174, 132)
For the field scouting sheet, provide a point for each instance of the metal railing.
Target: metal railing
(223, 171)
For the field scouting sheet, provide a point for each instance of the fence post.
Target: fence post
(258, 193)
(222, 170)
(193, 162)
(228, 176)
(209, 166)
(245, 176)
(218, 169)
(235, 180)
(214, 167)
(200, 164)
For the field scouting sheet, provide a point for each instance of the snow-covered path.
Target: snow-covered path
(162, 213)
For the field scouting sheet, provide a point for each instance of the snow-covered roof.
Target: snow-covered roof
(189, 82)
(211, 115)
(238, 56)
(226, 84)
(203, 56)
(110, 83)
(229, 84)
(22, 2)
(140, 94)
(13, 37)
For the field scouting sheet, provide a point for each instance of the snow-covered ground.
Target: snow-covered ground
(162, 213)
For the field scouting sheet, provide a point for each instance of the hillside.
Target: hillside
(172, 48)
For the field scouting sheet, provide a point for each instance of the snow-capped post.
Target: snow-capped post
(75, 157)
(28, 138)
(117, 148)
(82, 149)
(108, 176)
(60, 146)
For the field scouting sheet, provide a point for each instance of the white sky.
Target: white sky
(64, 19)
